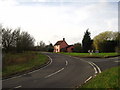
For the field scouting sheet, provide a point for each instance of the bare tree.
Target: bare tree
(16, 41)
(41, 46)
(26, 41)
(6, 38)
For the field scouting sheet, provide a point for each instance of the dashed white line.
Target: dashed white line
(54, 73)
(66, 63)
(18, 87)
(95, 67)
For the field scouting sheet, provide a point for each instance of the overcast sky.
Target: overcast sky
(52, 20)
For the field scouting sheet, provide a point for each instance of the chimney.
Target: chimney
(63, 39)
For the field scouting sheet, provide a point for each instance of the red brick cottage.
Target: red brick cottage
(62, 46)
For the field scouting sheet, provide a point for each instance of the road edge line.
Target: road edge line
(88, 79)
(97, 67)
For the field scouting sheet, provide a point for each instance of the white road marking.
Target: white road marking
(88, 79)
(42, 67)
(18, 87)
(54, 73)
(66, 63)
(31, 71)
(93, 67)
(97, 67)
(92, 64)
(49, 63)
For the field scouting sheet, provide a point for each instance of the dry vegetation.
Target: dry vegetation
(19, 62)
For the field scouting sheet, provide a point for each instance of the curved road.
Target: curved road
(62, 72)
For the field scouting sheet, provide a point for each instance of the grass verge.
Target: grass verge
(21, 62)
(99, 55)
(107, 79)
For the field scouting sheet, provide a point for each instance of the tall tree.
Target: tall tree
(86, 42)
(7, 39)
(25, 41)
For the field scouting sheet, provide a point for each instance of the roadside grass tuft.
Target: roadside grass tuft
(19, 62)
(107, 79)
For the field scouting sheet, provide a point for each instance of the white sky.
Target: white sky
(52, 20)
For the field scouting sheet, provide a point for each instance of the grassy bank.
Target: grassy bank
(102, 55)
(19, 62)
(107, 79)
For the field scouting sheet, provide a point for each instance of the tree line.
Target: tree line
(41, 46)
(16, 41)
(20, 41)
(107, 41)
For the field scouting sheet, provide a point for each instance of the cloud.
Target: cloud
(39, 0)
(4, 3)
(75, 0)
(52, 23)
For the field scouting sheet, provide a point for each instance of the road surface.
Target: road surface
(62, 72)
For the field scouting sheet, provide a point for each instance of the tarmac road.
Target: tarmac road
(105, 63)
(62, 72)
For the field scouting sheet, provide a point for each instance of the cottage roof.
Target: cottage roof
(59, 42)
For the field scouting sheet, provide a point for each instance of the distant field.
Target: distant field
(14, 63)
(107, 79)
(92, 55)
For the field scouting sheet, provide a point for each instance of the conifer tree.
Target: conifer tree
(86, 42)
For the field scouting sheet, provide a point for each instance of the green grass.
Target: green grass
(107, 79)
(91, 55)
(14, 63)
